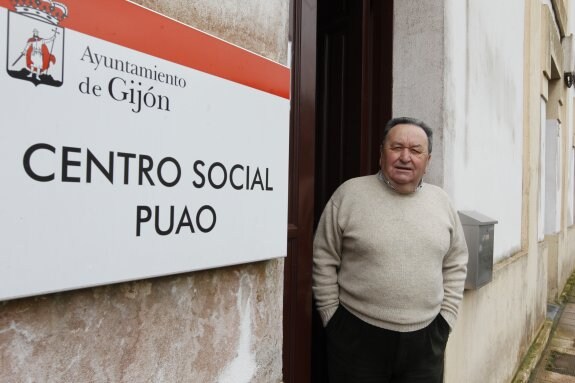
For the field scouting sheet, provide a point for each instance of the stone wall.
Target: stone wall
(219, 325)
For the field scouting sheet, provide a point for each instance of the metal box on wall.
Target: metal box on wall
(479, 232)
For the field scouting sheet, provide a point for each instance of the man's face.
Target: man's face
(404, 157)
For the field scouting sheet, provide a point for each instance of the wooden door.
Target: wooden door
(338, 108)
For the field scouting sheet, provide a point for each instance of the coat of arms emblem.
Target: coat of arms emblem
(36, 42)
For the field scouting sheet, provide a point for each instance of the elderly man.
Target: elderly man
(389, 267)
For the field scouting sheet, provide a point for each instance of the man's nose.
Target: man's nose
(405, 155)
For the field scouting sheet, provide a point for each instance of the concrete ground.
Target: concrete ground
(557, 363)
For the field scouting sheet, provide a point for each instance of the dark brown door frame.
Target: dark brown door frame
(298, 264)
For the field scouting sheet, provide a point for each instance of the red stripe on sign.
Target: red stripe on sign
(132, 26)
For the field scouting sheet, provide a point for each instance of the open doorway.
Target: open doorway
(341, 98)
(353, 87)
(354, 46)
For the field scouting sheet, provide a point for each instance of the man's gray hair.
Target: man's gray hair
(409, 121)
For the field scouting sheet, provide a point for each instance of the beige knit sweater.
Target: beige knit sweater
(393, 260)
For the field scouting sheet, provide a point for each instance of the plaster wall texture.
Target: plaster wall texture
(569, 161)
(418, 64)
(569, 62)
(542, 171)
(552, 179)
(567, 260)
(222, 325)
(553, 266)
(496, 323)
(458, 66)
(486, 138)
(481, 97)
(219, 325)
(563, 257)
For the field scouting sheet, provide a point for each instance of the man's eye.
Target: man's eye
(415, 151)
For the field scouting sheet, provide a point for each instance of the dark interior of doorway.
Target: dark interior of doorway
(353, 102)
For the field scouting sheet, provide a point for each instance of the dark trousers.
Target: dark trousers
(358, 352)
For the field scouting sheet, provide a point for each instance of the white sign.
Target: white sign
(117, 165)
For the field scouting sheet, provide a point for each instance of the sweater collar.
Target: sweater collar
(388, 183)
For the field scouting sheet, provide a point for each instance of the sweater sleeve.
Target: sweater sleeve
(326, 262)
(454, 273)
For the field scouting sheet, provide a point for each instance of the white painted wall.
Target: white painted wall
(418, 65)
(552, 185)
(569, 63)
(541, 195)
(484, 113)
(570, 190)
(458, 65)
(481, 128)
